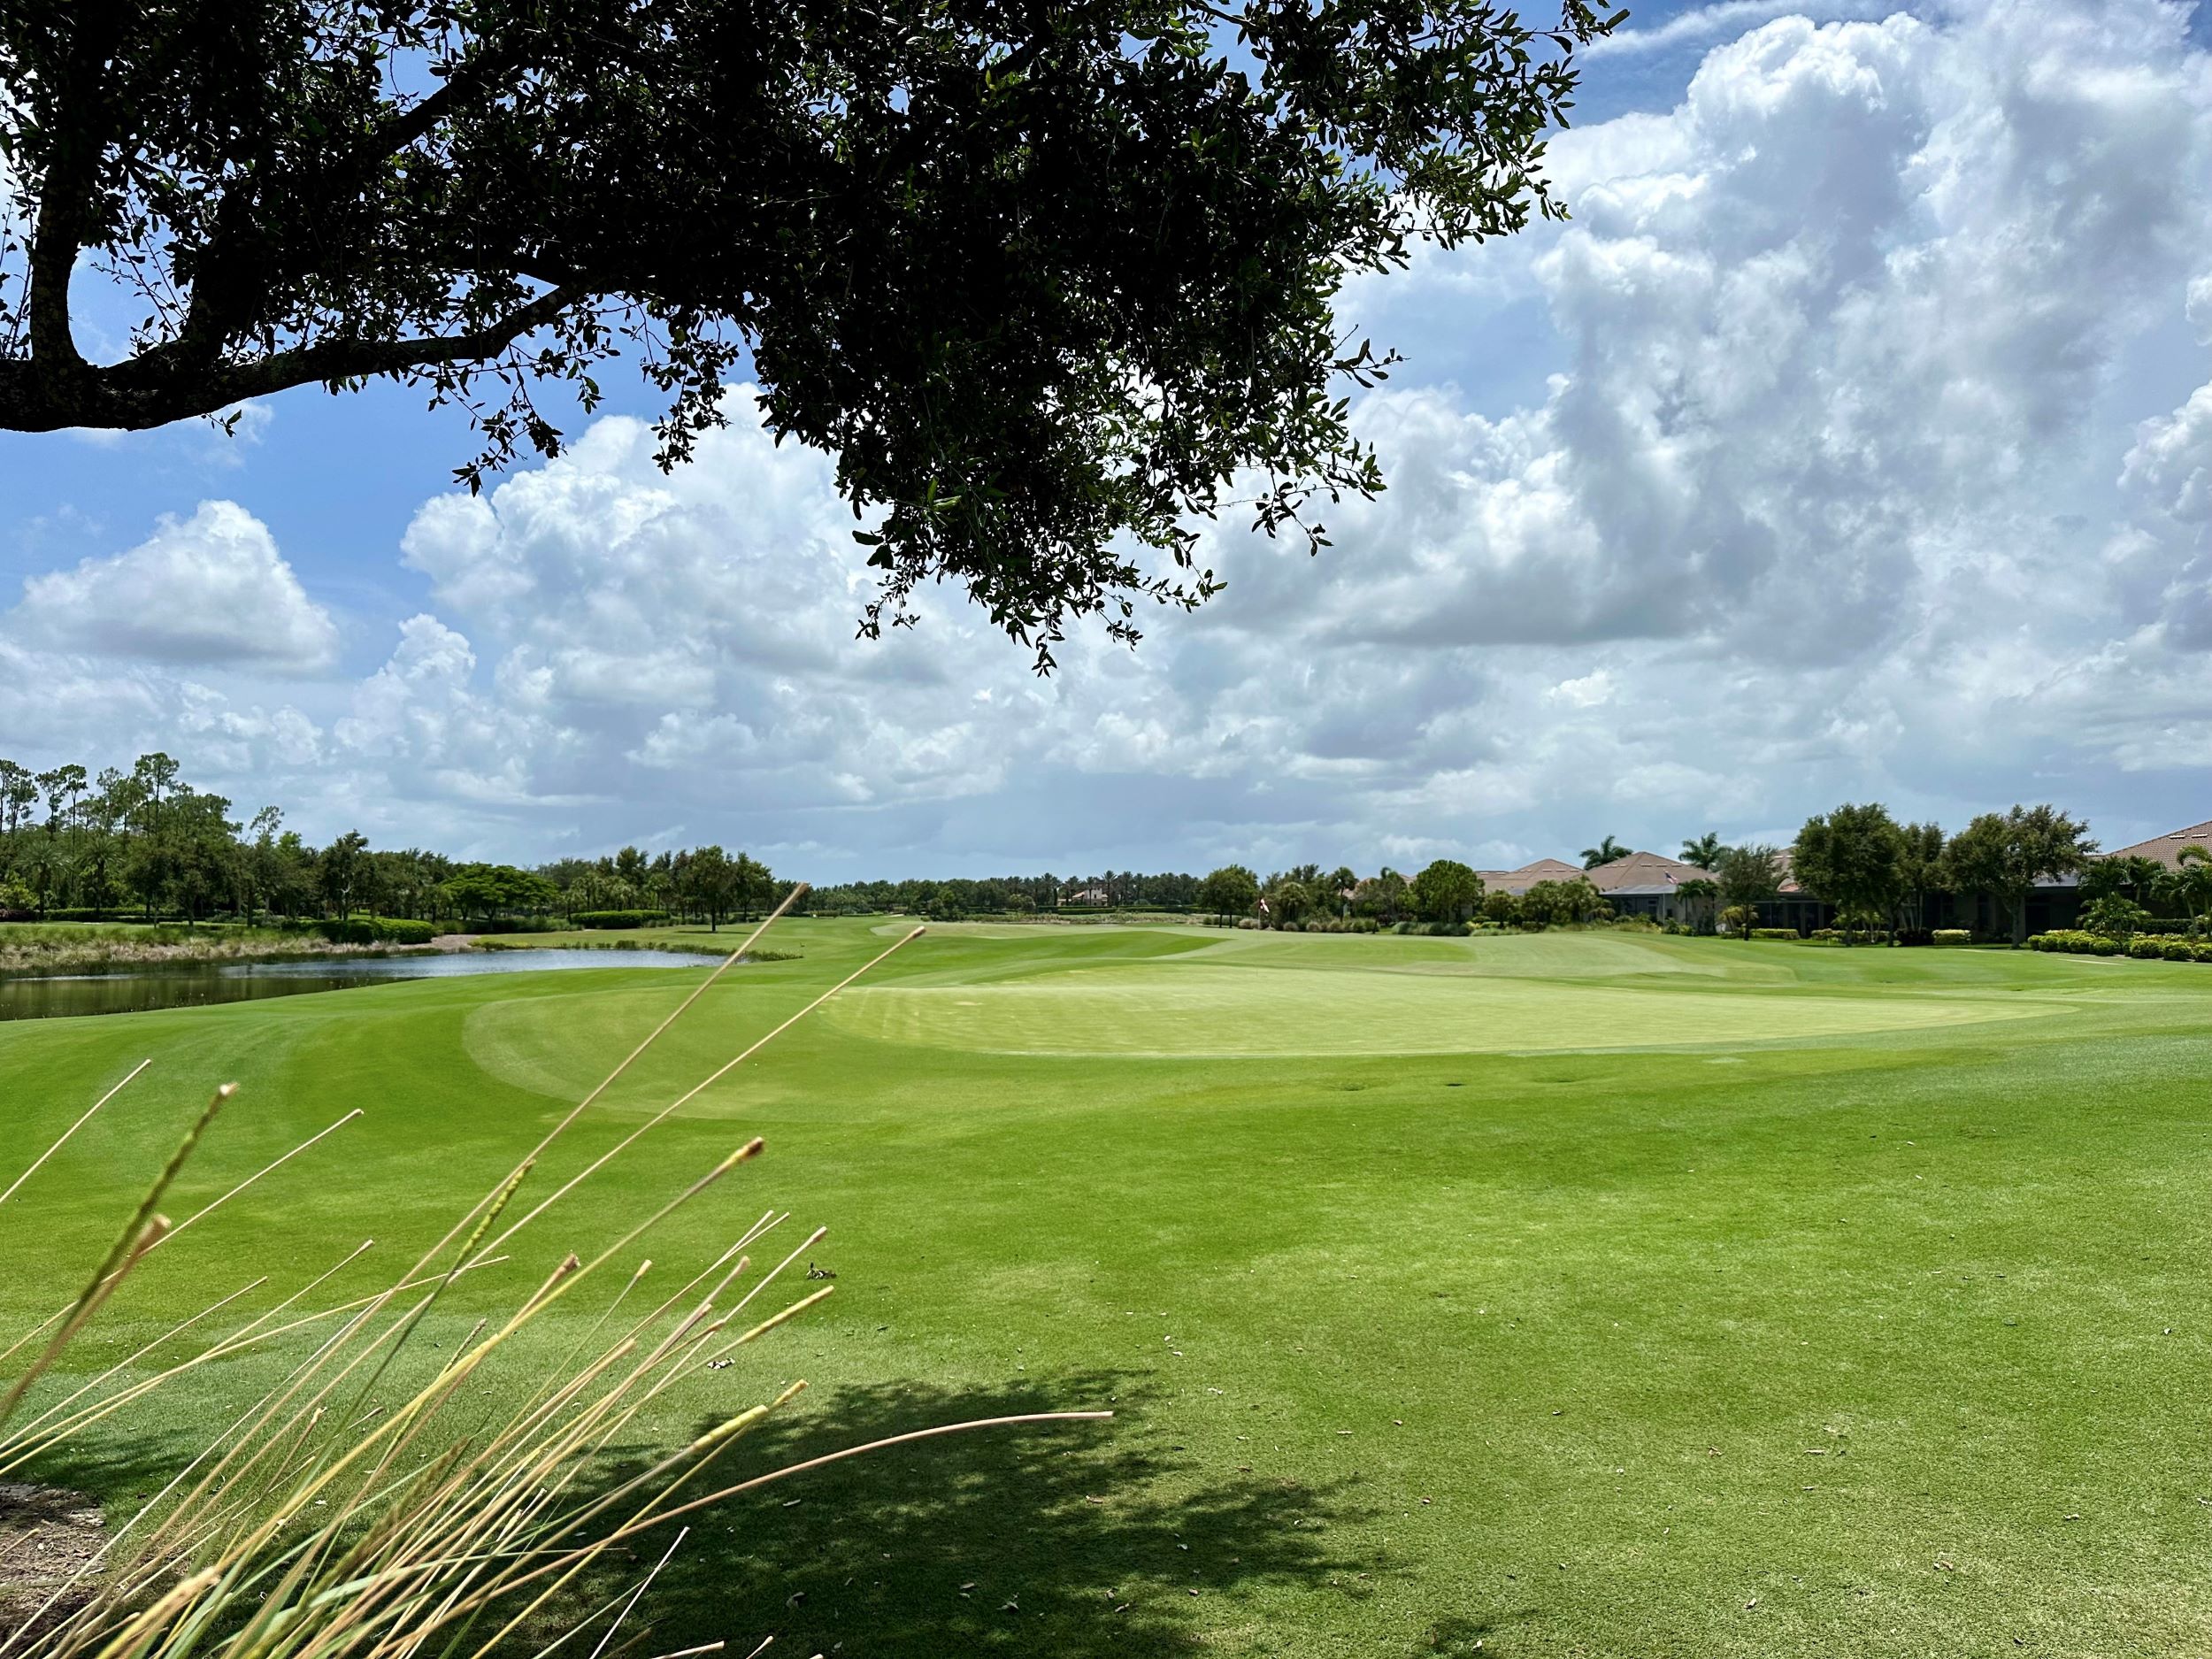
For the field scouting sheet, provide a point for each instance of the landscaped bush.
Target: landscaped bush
(2076, 942)
(1953, 936)
(1790, 933)
(619, 918)
(2179, 950)
(2146, 949)
(375, 930)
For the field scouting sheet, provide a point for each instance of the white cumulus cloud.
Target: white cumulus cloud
(208, 589)
(1854, 440)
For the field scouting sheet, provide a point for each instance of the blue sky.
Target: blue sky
(1854, 440)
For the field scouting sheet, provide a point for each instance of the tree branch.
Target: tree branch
(65, 195)
(473, 75)
(158, 386)
(346, 360)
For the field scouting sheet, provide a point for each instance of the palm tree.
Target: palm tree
(1604, 853)
(2189, 883)
(1704, 852)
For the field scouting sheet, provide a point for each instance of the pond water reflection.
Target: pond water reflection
(204, 983)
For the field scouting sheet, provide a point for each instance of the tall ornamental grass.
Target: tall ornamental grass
(320, 1523)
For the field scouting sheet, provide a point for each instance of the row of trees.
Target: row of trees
(1115, 889)
(1877, 872)
(146, 841)
(703, 882)
(1443, 893)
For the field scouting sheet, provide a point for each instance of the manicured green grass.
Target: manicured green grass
(1576, 1295)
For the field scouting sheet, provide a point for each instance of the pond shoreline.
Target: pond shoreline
(64, 961)
(498, 941)
(145, 988)
(102, 958)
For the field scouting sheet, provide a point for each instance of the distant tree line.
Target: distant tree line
(146, 843)
(1001, 895)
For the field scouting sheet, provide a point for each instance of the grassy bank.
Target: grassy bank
(49, 947)
(1560, 1294)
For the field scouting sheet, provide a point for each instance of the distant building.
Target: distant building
(2166, 849)
(1097, 897)
(1519, 881)
(1648, 885)
(1641, 884)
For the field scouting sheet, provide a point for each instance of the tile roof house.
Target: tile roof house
(1646, 884)
(2056, 900)
(1519, 881)
(2166, 849)
(1638, 884)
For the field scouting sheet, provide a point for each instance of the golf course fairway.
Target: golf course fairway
(1563, 1294)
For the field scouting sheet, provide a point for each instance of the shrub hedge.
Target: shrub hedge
(619, 918)
(2143, 947)
(375, 930)
(1775, 933)
(1952, 936)
(2076, 941)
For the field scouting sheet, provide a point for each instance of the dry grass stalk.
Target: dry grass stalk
(326, 1520)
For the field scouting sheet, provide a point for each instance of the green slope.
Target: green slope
(1567, 1295)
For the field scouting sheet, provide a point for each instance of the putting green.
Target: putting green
(1885, 1332)
(1198, 1008)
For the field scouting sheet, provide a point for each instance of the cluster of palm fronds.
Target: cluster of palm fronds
(328, 1520)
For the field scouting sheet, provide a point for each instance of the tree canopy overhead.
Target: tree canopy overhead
(1047, 277)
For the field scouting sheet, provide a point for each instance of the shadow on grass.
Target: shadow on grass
(121, 1470)
(1069, 1539)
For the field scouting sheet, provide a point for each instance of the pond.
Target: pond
(199, 984)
